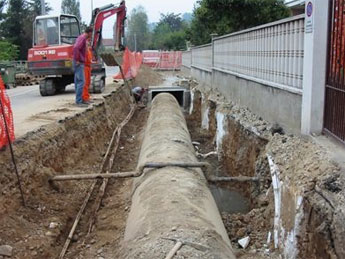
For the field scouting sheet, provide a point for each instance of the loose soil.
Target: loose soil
(106, 237)
(255, 223)
(40, 229)
(304, 168)
(148, 77)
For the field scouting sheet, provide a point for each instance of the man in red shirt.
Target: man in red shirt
(79, 53)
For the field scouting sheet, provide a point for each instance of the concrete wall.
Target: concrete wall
(260, 68)
(270, 67)
(185, 70)
(315, 67)
(202, 75)
(273, 104)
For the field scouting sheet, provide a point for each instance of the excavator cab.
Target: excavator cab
(55, 30)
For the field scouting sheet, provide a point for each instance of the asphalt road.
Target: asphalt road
(31, 110)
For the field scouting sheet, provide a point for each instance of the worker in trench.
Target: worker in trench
(87, 73)
(79, 53)
(139, 94)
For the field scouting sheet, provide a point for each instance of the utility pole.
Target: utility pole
(43, 7)
(135, 42)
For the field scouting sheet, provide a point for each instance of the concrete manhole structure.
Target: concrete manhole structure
(182, 94)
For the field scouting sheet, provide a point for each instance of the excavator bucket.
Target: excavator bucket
(112, 58)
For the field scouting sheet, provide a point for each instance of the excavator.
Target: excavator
(52, 51)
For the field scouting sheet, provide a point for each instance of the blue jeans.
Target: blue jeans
(79, 81)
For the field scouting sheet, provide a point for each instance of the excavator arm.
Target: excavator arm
(98, 17)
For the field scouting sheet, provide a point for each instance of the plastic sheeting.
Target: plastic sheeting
(131, 64)
(5, 115)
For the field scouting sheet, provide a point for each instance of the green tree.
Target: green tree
(35, 9)
(170, 33)
(173, 20)
(2, 15)
(16, 23)
(138, 35)
(8, 51)
(71, 7)
(13, 26)
(2, 6)
(226, 16)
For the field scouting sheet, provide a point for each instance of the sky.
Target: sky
(152, 7)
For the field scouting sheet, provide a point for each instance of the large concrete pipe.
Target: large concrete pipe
(172, 204)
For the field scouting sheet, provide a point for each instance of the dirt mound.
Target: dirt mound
(147, 76)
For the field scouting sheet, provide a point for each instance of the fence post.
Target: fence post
(213, 36)
(315, 65)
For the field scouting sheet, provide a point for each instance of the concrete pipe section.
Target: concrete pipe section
(172, 207)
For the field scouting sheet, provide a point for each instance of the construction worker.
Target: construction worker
(87, 73)
(138, 93)
(79, 53)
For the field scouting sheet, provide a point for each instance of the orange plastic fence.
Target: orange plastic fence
(6, 115)
(131, 64)
(163, 60)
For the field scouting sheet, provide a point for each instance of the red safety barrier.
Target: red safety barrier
(151, 58)
(5, 115)
(163, 60)
(131, 64)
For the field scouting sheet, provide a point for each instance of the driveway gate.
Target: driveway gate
(335, 85)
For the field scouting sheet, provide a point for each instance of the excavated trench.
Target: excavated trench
(234, 151)
(291, 211)
(77, 145)
(74, 145)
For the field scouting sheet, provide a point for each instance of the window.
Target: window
(47, 31)
(69, 29)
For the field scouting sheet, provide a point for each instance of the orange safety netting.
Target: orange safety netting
(131, 64)
(163, 60)
(5, 114)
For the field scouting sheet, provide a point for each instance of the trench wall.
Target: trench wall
(72, 145)
(55, 148)
(305, 219)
